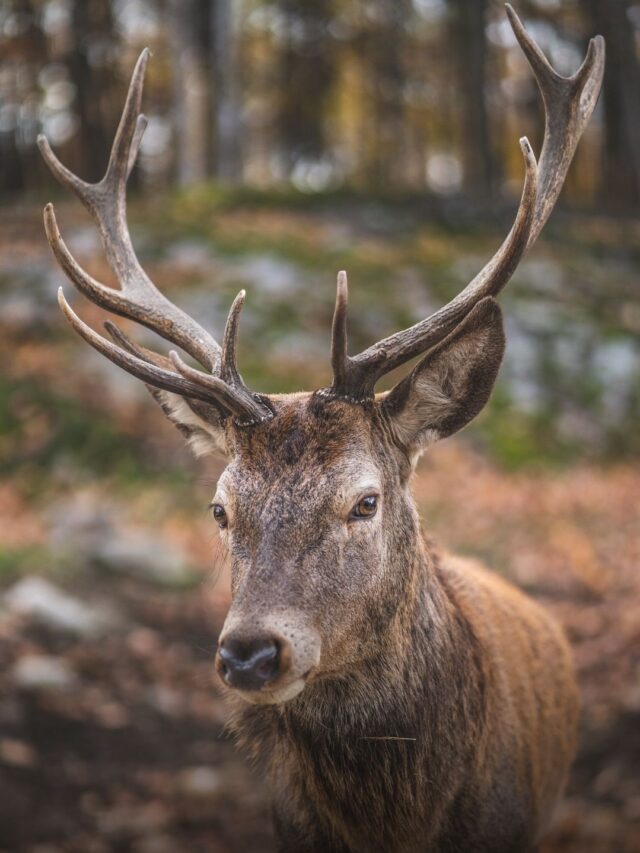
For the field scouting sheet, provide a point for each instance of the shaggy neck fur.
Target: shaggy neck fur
(383, 749)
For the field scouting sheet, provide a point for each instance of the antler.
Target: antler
(568, 104)
(138, 298)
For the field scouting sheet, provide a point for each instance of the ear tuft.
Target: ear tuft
(451, 384)
(200, 423)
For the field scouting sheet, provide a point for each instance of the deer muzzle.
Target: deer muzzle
(267, 661)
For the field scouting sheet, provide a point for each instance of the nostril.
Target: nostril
(267, 661)
(248, 663)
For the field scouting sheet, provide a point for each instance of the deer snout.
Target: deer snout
(267, 661)
(248, 663)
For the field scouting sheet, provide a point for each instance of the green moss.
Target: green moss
(22, 560)
(39, 427)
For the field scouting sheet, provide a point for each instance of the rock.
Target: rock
(18, 753)
(29, 300)
(115, 383)
(199, 781)
(84, 241)
(143, 557)
(43, 672)
(165, 700)
(157, 844)
(42, 601)
(191, 254)
(86, 532)
(277, 277)
(542, 275)
(133, 819)
(79, 523)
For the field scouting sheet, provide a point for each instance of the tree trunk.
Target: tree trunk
(21, 57)
(382, 46)
(306, 77)
(469, 42)
(191, 41)
(91, 24)
(621, 90)
(226, 109)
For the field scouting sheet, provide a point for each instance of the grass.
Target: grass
(18, 561)
(41, 428)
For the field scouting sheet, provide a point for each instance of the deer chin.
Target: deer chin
(275, 696)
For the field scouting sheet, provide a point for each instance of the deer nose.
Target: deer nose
(248, 663)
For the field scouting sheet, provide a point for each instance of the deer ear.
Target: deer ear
(451, 384)
(200, 423)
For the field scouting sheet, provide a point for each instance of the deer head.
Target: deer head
(314, 505)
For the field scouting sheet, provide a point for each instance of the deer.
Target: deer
(397, 697)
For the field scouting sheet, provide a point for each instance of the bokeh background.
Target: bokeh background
(288, 140)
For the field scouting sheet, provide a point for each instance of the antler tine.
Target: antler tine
(186, 382)
(228, 367)
(204, 410)
(568, 103)
(143, 369)
(341, 364)
(236, 400)
(141, 126)
(339, 340)
(137, 298)
(129, 133)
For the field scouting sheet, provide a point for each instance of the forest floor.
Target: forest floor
(112, 588)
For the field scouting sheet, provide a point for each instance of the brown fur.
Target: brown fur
(474, 674)
(424, 703)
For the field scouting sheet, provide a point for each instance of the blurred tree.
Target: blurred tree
(206, 109)
(468, 38)
(226, 107)
(25, 47)
(90, 63)
(620, 175)
(306, 72)
(383, 44)
(191, 33)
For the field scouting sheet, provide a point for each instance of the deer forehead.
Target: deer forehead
(305, 433)
(308, 448)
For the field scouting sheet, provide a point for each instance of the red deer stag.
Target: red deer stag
(398, 698)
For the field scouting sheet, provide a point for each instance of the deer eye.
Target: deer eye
(365, 508)
(219, 514)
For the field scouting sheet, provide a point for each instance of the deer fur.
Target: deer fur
(441, 712)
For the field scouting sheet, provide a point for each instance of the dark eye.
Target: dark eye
(219, 514)
(365, 508)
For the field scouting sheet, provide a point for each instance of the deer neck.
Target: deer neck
(353, 741)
